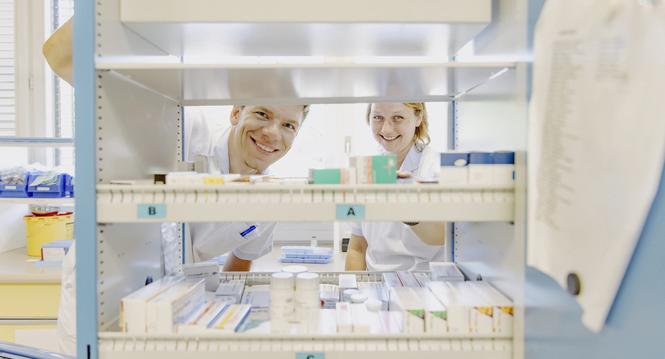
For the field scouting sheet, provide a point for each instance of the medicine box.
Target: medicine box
(454, 169)
(384, 169)
(174, 305)
(412, 308)
(56, 250)
(481, 169)
(133, 308)
(231, 288)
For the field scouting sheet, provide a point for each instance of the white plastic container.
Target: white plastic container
(307, 301)
(454, 169)
(282, 292)
(503, 169)
(481, 169)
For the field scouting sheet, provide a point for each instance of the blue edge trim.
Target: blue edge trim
(85, 227)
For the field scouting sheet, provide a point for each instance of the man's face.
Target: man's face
(265, 134)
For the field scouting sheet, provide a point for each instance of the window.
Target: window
(7, 69)
(62, 94)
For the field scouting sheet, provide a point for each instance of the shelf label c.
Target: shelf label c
(150, 211)
(350, 212)
(317, 355)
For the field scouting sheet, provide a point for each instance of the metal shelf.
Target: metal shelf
(416, 202)
(11, 141)
(65, 201)
(118, 345)
(242, 80)
(204, 28)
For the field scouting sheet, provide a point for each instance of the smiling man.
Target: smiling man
(257, 138)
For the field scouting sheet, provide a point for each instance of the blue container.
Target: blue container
(15, 190)
(69, 186)
(56, 190)
(481, 158)
(504, 158)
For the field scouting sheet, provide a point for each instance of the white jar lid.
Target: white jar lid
(307, 281)
(281, 281)
(295, 269)
(358, 298)
(373, 305)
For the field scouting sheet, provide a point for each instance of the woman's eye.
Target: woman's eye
(398, 118)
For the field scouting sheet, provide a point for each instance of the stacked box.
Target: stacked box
(174, 305)
(133, 308)
(380, 169)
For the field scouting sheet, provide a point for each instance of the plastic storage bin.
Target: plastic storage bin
(53, 189)
(69, 186)
(15, 190)
(40, 230)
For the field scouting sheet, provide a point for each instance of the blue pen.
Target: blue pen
(248, 231)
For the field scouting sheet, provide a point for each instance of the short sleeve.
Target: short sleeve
(356, 229)
(258, 244)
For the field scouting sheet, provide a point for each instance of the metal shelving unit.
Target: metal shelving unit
(140, 61)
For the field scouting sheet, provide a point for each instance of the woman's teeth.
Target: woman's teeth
(390, 138)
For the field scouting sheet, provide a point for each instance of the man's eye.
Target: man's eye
(290, 126)
(261, 114)
(377, 118)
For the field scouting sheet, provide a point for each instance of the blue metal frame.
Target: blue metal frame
(636, 323)
(85, 228)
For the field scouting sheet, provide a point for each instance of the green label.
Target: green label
(350, 212)
(317, 355)
(149, 211)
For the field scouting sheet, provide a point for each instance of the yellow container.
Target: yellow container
(40, 230)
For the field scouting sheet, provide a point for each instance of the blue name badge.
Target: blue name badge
(350, 212)
(151, 211)
(317, 355)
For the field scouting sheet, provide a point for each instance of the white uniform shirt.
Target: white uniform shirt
(212, 239)
(208, 239)
(393, 246)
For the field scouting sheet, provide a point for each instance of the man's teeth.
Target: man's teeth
(267, 149)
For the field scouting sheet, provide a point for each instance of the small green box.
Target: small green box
(325, 176)
(384, 168)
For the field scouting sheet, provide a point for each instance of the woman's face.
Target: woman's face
(393, 126)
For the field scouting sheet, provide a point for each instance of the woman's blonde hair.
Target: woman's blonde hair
(421, 136)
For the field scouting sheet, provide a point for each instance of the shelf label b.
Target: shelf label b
(350, 212)
(150, 211)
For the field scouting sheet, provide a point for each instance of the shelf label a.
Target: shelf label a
(317, 355)
(150, 211)
(350, 212)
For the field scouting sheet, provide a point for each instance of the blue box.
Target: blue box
(15, 190)
(69, 186)
(56, 190)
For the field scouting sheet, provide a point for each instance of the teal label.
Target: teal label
(350, 212)
(150, 211)
(318, 355)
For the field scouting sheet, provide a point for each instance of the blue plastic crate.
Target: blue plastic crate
(15, 190)
(69, 186)
(56, 190)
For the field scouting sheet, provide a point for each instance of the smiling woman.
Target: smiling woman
(401, 129)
